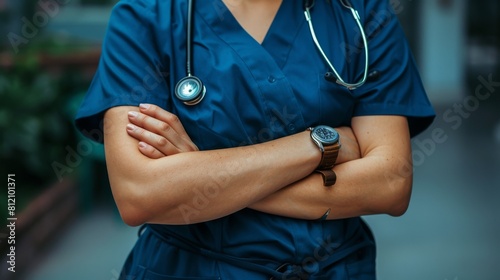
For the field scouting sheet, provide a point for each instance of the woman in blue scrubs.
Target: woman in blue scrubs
(226, 189)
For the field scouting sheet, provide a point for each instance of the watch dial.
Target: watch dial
(326, 134)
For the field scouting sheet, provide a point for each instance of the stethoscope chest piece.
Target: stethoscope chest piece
(190, 90)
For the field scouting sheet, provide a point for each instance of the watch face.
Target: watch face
(325, 134)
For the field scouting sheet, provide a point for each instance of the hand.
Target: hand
(160, 133)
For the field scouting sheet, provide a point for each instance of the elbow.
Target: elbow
(130, 202)
(398, 209)
(137, 205)
(131, 216)
(399, 196)
(130, 208)
(135, 212)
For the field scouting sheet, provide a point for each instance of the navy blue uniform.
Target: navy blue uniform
(255, 93)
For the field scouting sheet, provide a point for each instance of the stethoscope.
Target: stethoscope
(335, 77)
(191, 90)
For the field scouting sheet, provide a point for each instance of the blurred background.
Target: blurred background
(68, 226)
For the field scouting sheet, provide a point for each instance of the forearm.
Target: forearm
(363, 187)
(199, 186)
(210, 184)
(378, 182)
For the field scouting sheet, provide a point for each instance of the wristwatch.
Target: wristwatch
(328, 141)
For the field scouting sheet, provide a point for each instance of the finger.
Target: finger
(150, 151)
(164, 116)
(183, 144)
(158, 142)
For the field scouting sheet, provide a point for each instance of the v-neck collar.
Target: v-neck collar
(278, 39)
(283, 31)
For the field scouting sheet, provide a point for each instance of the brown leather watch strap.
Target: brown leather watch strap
(329, 177)
(329, 156)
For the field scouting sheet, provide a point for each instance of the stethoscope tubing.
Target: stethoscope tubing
(191, 90)
(307, 6)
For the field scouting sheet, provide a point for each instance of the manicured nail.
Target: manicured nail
(131, 127)
(144, 106)
(133, 114)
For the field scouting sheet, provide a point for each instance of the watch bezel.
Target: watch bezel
(315, 135)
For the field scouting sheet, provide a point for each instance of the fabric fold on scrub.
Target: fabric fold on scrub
(255, 93)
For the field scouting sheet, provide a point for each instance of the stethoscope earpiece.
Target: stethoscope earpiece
(330, 76)
(190, 90)
(374, 75)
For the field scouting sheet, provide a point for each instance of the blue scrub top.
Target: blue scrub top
(255, 93)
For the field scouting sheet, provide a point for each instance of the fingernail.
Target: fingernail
(144, 106)
(133, 114)
(131, 127)
(142, 145)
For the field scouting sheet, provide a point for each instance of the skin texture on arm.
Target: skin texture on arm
(378, 183)
(164, 190)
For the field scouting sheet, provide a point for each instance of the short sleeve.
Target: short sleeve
(129, 72)
(398, 90)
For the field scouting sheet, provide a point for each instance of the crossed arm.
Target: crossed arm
(157, 174)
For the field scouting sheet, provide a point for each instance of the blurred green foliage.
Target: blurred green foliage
(36, 112)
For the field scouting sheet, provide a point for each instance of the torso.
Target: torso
(264, 80)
